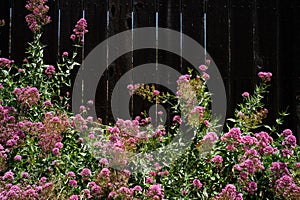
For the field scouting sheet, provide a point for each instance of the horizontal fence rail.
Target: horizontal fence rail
(242, 36)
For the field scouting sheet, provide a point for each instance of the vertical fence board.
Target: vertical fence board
(192, 25)
(242, 60)
(218, 43)
(144, 16)
(96, 16)
(119, 20)
(169, 17)
(295, 51)
(4, 31)
(20, 33)
(70, 13)
(266, 57)
(50, 37)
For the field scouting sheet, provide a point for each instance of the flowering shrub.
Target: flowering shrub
(42, 156)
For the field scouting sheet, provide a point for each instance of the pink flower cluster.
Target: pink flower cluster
(287, 188)
(28, 96)
(50, 70)
(250, 164)
(155, 192)
(79, 30)
(265, 75)
(232, 138)
(39, 16)
(6, 62)
(197, 184)
(11, 133)
(51, 130)
(177, 119)
(230, 193)
(23, 190)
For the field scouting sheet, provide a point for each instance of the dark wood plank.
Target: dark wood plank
(293, 30)
(70, 12)
(144, 16)
(243, 73)
(218, 43)
(169, 17)
(119, 20)
(266, 57)
(20, 33)
(50, 35)
(4, 30)
(96, 16)
(192, 25)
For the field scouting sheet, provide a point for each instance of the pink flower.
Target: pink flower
(59, 145)
(137, 188)
(47, 103)
(90, 102)
(149, 180)
(27, 96)
(96, 189)
(286, 152)
(55, 151)
(153, 173)
(210, 137)
(207, 62)
(6, 62)
(8, 176)
(85, 172)
(286, 133)
(65, 54)
(177, 119)
(38, 17)
(252, 186)
(184, 192)
(205, 76)
(290, 140)
(265, 75)
(105, 172)
(73, 197)
(18, 158)
(197, 184)
(50, 70)
(25, 175)
(203, 67)
(103, 161)
(80, 29)
(73, 37)
(155, 191)
(206, 123)
(217, 159)
(156, 92)
(71, 174)
(73, 183)
(245, 94)
(229, 192)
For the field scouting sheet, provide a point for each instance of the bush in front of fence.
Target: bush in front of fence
(48, 153)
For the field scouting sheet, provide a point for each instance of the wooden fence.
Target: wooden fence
(242, 36)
